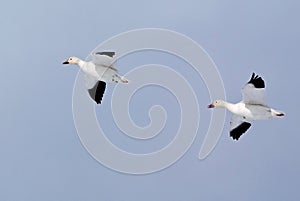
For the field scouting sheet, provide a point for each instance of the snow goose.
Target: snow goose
(97, 72)
(251, 108)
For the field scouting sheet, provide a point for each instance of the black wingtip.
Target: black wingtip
(239, 130)
(96, 93)
(257, 81)
(110, 54)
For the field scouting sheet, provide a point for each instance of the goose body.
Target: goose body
(98, 72)
(251, 108)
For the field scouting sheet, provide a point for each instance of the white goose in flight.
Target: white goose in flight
(97, 72)
(252, 107)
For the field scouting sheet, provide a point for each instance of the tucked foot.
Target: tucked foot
(124, 80)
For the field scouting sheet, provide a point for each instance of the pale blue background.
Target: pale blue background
(41, 155)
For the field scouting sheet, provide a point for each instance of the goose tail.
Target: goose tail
(277, 113)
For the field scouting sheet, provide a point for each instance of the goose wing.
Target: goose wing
(95, 88)
(254, 91)
(238, 126)
(96, 93)
(103, 58)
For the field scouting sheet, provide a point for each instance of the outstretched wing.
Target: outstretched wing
(103, 58)
(238, 126)
(254, 91)
(97, 91)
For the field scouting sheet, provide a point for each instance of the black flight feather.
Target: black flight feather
(257, 81)
(110, 54)
(97, 91)
(239, 130)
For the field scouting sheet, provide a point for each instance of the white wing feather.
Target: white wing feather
(235, 121)
(89, 81)
(102, 60)
(252, 95)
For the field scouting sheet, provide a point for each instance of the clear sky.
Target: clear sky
(41, 155)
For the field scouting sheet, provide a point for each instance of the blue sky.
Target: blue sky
(41, 155)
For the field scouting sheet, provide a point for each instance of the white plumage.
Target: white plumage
(251, 108)
(98, 72)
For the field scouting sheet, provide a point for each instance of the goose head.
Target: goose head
(72, 60)
(217, 103)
